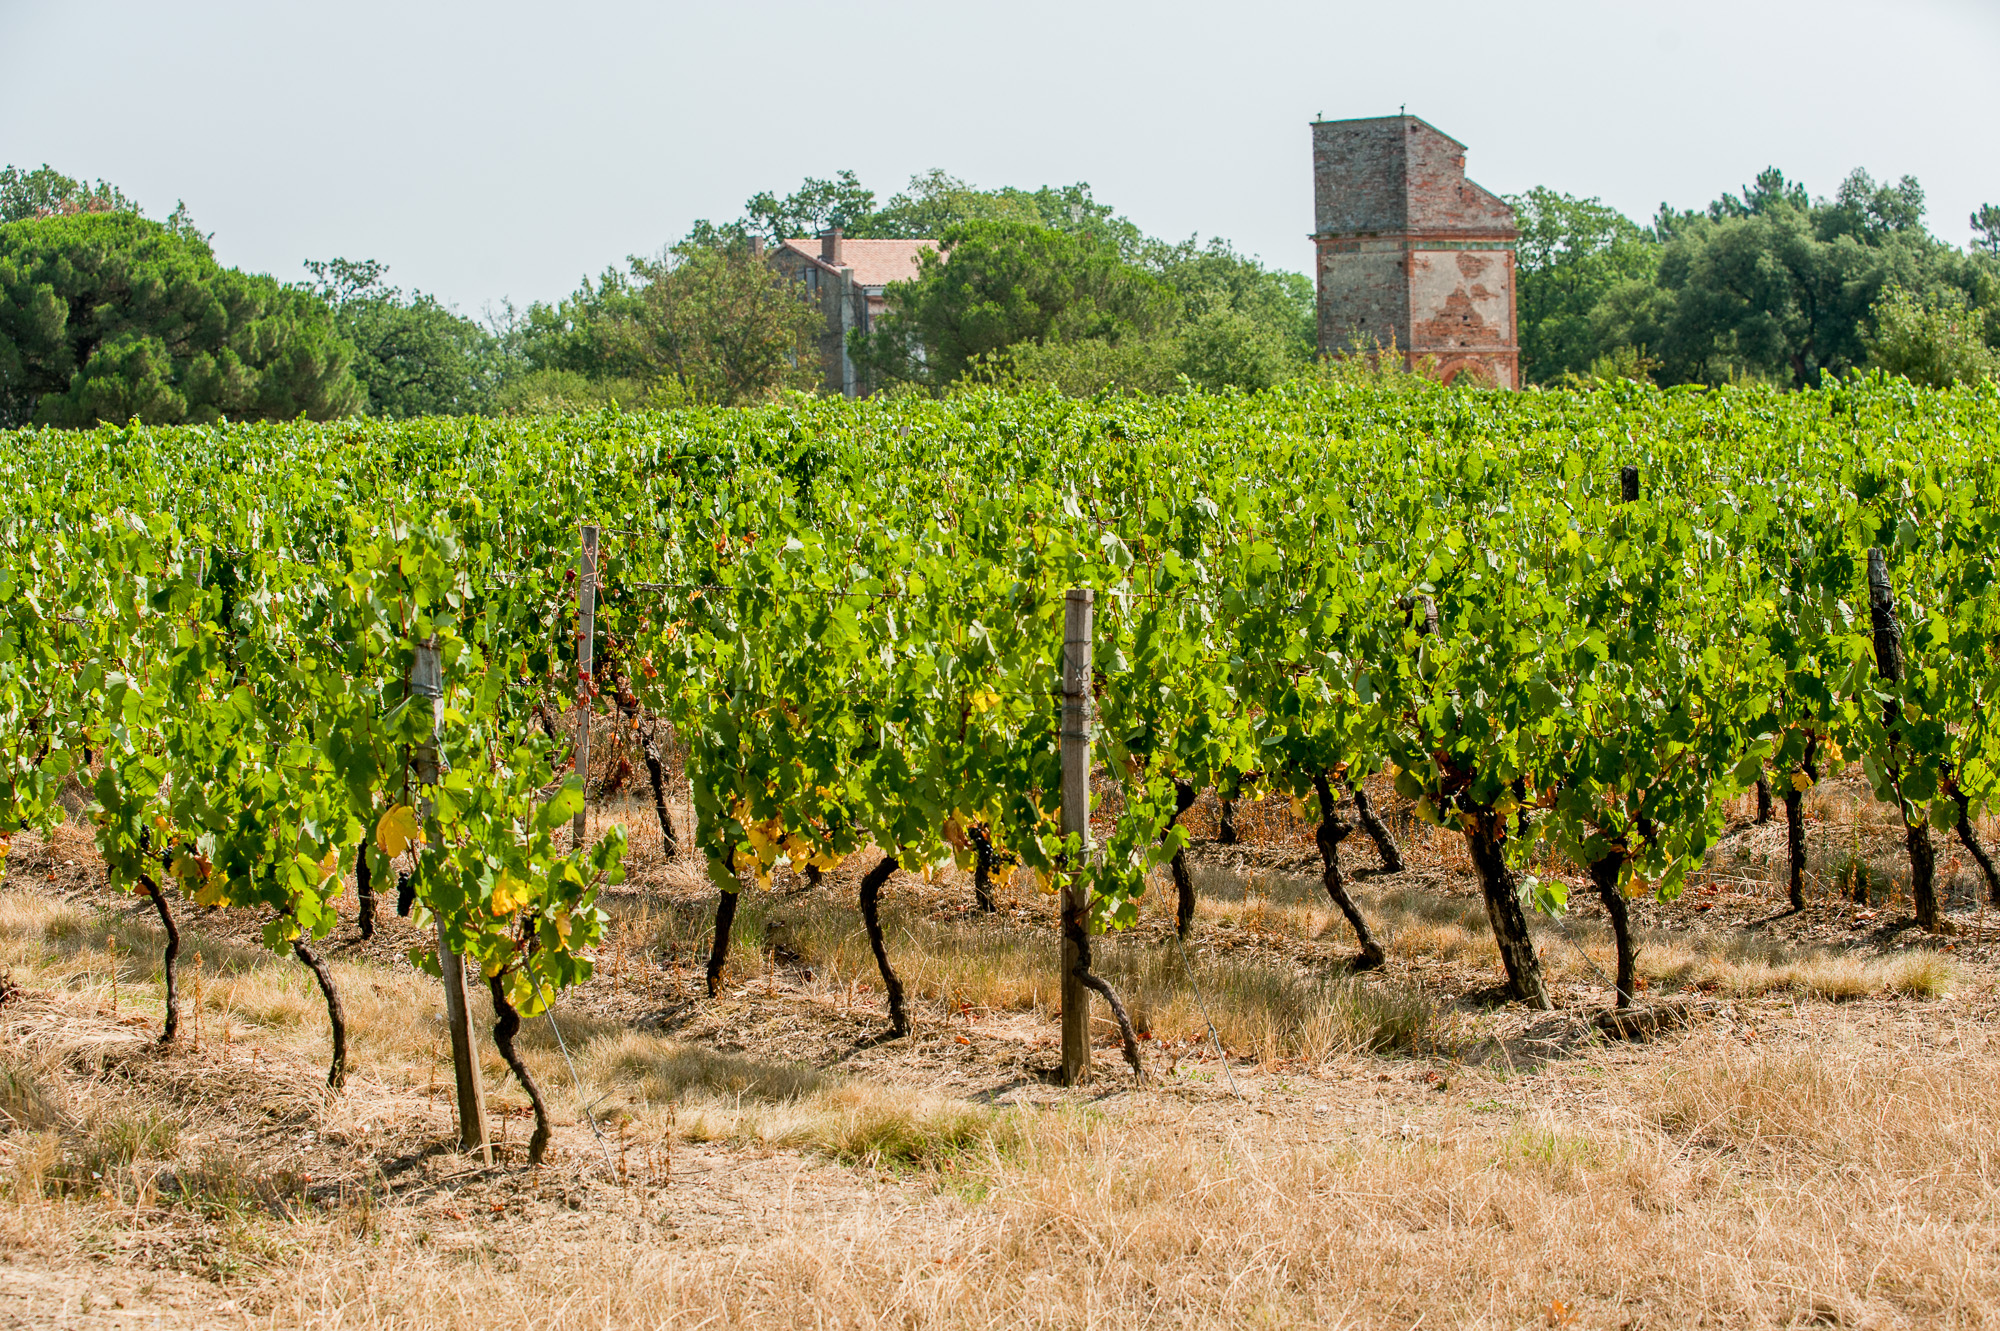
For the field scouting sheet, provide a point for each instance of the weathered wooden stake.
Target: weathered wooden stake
(586, 633)
(1077, 614)
(427, 681)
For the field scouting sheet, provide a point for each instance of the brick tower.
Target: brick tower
(1410, 249)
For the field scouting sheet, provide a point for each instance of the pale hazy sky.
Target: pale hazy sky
(505, 149)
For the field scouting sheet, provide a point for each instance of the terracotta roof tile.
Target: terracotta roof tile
(875, 262)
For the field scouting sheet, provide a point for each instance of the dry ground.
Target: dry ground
(1811, 1141)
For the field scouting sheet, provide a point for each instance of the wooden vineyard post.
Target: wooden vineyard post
(586, 633)
(1077, 614)
(427, 681)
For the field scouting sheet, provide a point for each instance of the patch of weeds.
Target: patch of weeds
(116, 1140)
(37, 1166)
(98, 1158)
(1859, 880)
(663, 1071)
(1386, 1020)
(26, 1101)
(70, 927)
(886, 1131)
(235, 1249)
(225, 1186)
(1558, 1157)
(1923, 975)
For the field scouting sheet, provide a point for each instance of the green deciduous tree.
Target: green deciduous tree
(47, 192)
(107, 316)
(1029, 304)
(933, 203)
(726, 326)
(1572, 253)
(413, 355)
(1005, 283)
(1935, 341)
(1767, 284)
(1986, 230)
(1083, 368)
(816, 205)
(576, 335)
(1776, 285)
(708, 323)
(1240, 324)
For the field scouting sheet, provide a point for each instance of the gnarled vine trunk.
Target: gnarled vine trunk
(718, 948)
(1888, 633)
(871, 916)
(364, 891)
(1969, 838)
(1385, 846)
(1184, 797)
(1486, 839)
(982, 868)
(1333, 829)
(1923, 874)
(656, 775)
(1795, 826)
(1076, 929)
(1604, 877)
(171, 1029)
(506, 1025)
(1225, 829)
(336, 1016)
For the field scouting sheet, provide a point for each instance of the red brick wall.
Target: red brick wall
(1410, 251)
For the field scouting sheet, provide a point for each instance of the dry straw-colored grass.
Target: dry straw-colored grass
(1262, 1007)
(1744, 1189)
(1819, 1183)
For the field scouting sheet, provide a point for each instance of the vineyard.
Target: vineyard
(1027, 642)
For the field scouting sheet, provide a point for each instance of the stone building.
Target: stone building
(1410, 251)
(847, 278)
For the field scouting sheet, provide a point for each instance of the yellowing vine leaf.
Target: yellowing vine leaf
(765, 839)
(398, 831)
(509, 895)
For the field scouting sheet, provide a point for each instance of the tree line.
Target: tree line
(1768, 285)
(106, 314)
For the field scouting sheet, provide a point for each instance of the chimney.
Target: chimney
(829, 245)
(756, 247)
